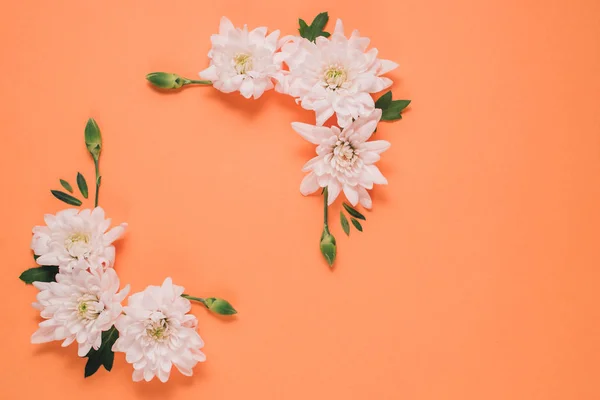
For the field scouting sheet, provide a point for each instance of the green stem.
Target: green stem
(325, 210)
(195, 82)
(198, 299)
(96, 164)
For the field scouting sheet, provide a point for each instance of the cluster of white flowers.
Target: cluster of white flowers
(330, 76)
(155, 329)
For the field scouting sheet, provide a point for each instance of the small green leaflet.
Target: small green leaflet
(104, 355)
(82, 184)
(391, 109)
(345, 224)
(353, 212)
(45, 273)
(66, 185)
(315, 29)
(356, 224)
(67, 198)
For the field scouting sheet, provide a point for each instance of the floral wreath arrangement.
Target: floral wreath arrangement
(79, 291)
(326, 73)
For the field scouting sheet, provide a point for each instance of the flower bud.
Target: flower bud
(219, 306)
(328, 248)
(93, 138)
(165, 80)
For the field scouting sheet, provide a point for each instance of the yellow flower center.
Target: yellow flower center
(334, 76)
(242, 63)
(78, 244)
(158, 330)
(85, 307)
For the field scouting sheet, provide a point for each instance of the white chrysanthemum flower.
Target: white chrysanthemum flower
(76, 239)
(335, 75)
(242, 60)
(345, 159)
(156, 333)
(78, 307)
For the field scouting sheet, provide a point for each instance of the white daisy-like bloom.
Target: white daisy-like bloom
(335, 75)
(345, 159)
(78, 307)
(243, 60)
(156, 332)
(75, 239)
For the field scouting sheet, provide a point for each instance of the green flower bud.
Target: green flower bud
(328, 248)
(219, 306)
(165, 80)
(93, 138)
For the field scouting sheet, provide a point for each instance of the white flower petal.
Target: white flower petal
(351, 194)
(309, 184)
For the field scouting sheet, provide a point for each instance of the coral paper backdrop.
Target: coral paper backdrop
(476, 276)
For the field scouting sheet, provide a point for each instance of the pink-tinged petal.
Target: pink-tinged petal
(225, 26)
(48, 259)
(83, 349)
(386, 66)
(377, 176)
(271, 40)
(351, 194)
(314, 134)
(333, 190)
(324, 180)
(379, 84)
(257, 35)
(359, 42)
(98, 214)
(344, 120)
(229, 85)
(376, 146)
(209, 73)
(259, 87)
(364, 198)
(366, 129)
(309, 184)
(369, 157)
(43, 335)
(114, 234)
(247, 88)
(323, 115)
(312, 164)
(339, 27)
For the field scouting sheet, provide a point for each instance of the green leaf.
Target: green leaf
(66, 185)
(67, 198)
(44, 273)
(393, 111)
(82, 184)
(219, 306)
(356, 224)
(303, 27)
(384, 101)
(353, 212)
(104, 355)
(92, 365)
(345, 224)
(35, 257)
(93, 138)
(316, 27)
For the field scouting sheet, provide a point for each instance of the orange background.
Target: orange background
(476, 277)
